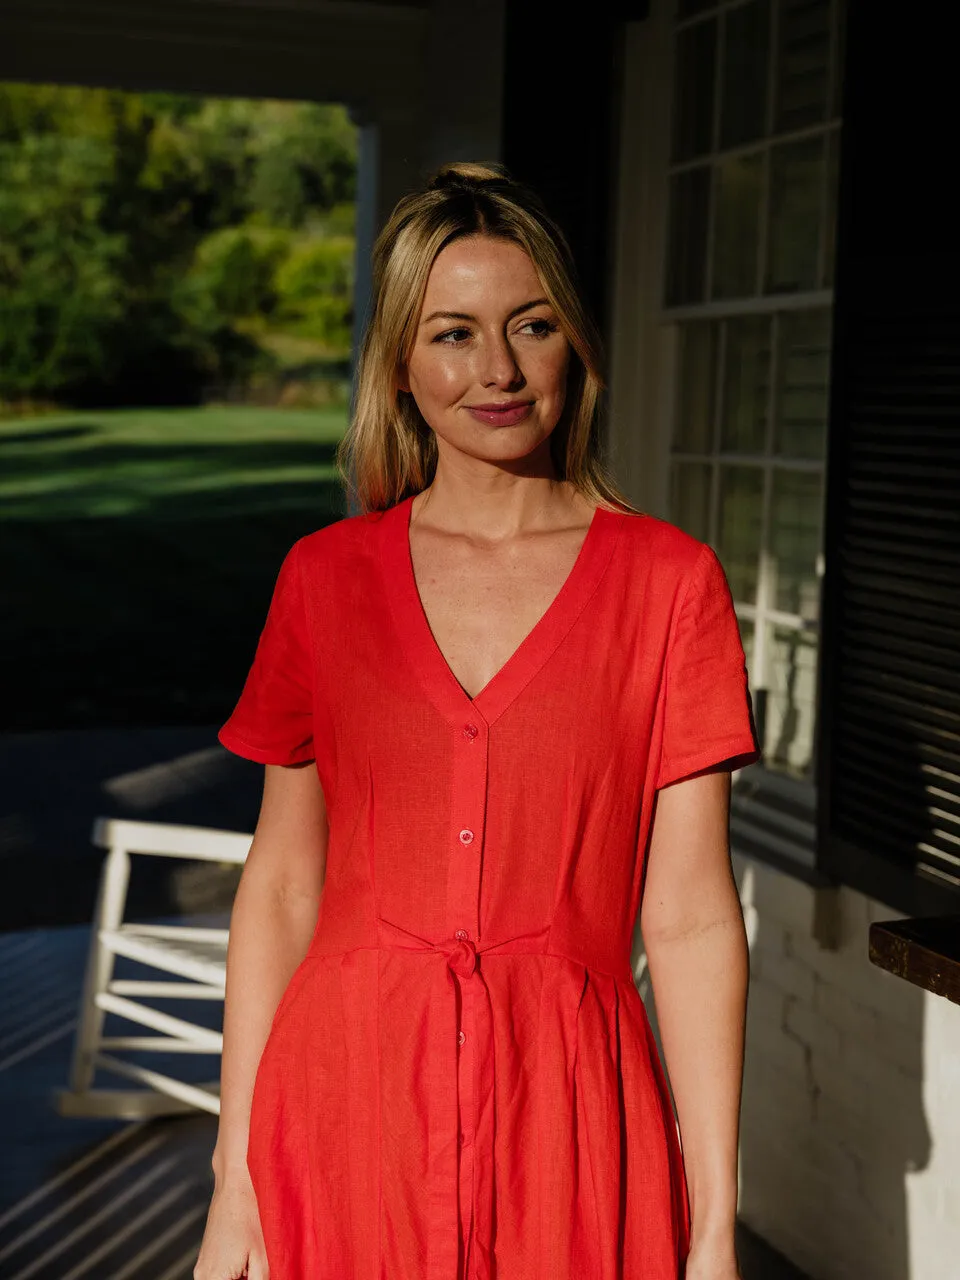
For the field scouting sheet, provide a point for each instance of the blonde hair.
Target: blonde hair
(389, 451)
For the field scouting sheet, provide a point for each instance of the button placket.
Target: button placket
(468, 816)
(468, 798)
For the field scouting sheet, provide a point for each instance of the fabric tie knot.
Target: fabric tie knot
(448, 1110)
(462, 957)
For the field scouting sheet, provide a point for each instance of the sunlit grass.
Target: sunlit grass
(142, 546)
(120, 462)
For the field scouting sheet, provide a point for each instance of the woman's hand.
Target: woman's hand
(232, 1239)
(273, 920)
(712, 1260)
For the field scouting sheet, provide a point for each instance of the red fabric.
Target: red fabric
(460, 1079)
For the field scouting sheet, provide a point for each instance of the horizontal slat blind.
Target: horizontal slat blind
(895, 715)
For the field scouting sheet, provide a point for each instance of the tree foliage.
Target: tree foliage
(146, 239)
(314, 287)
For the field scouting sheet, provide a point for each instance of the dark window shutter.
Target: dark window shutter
(889, 724)
(894, 636)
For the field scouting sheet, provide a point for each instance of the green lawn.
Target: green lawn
(137, 461)
(141, 546)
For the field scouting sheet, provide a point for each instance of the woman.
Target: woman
(498, 710)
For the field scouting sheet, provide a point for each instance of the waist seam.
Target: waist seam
(553, 955)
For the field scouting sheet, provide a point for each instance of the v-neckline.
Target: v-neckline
(533, 651)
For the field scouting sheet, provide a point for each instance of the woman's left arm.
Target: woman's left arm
(698, 960)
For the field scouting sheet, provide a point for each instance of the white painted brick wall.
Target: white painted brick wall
(850, 1136)
(850, 1130)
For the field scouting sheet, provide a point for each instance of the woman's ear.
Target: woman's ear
(403, 383)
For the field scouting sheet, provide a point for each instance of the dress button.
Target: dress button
(470, 731)
(461, 934)
(466, 836)
(461, 1037)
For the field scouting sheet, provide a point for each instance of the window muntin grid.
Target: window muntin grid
(748, 280)
(747, 476)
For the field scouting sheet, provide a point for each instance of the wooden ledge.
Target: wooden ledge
(924, 950)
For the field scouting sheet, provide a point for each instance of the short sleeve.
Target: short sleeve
(273, 721)
(708, 713)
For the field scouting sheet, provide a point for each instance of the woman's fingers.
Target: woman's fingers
(224, 1267)
(257, 1267)
(232, 1246)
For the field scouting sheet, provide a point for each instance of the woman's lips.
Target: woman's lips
(500, 417)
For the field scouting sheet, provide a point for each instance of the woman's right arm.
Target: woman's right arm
(272, 923)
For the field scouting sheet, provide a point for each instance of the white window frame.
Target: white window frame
(773, 814)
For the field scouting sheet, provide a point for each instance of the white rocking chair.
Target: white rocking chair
(196, 957)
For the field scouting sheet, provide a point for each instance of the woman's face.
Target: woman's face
(489, 366)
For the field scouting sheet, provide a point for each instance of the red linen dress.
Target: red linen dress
(460, 1079)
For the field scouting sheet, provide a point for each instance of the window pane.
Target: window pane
(743, 112)
(746, 384)
(795, 542)
(696, 390)
(693, 90)
(690, 498)
(796, 188)
(803, 60)
(803, 384)
(689, 201)
(788, 733)
(737, 226)
(740, 523)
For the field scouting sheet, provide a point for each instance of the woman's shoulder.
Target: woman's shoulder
(340, 539)
(665, 564)
(663, 546)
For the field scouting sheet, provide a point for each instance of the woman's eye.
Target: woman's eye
(541, 328)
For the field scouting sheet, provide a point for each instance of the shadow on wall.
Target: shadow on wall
(834, 1122)
(833, 1117)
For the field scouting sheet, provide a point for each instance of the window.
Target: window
(748, 292)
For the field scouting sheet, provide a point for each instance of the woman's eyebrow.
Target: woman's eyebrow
(462, 315)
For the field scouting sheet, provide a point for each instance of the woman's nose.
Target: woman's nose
(499, 365)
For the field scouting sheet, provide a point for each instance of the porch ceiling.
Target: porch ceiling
(362, 52)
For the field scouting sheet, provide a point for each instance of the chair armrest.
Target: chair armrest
(172, 840)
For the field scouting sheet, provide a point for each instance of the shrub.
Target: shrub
(314, 288)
